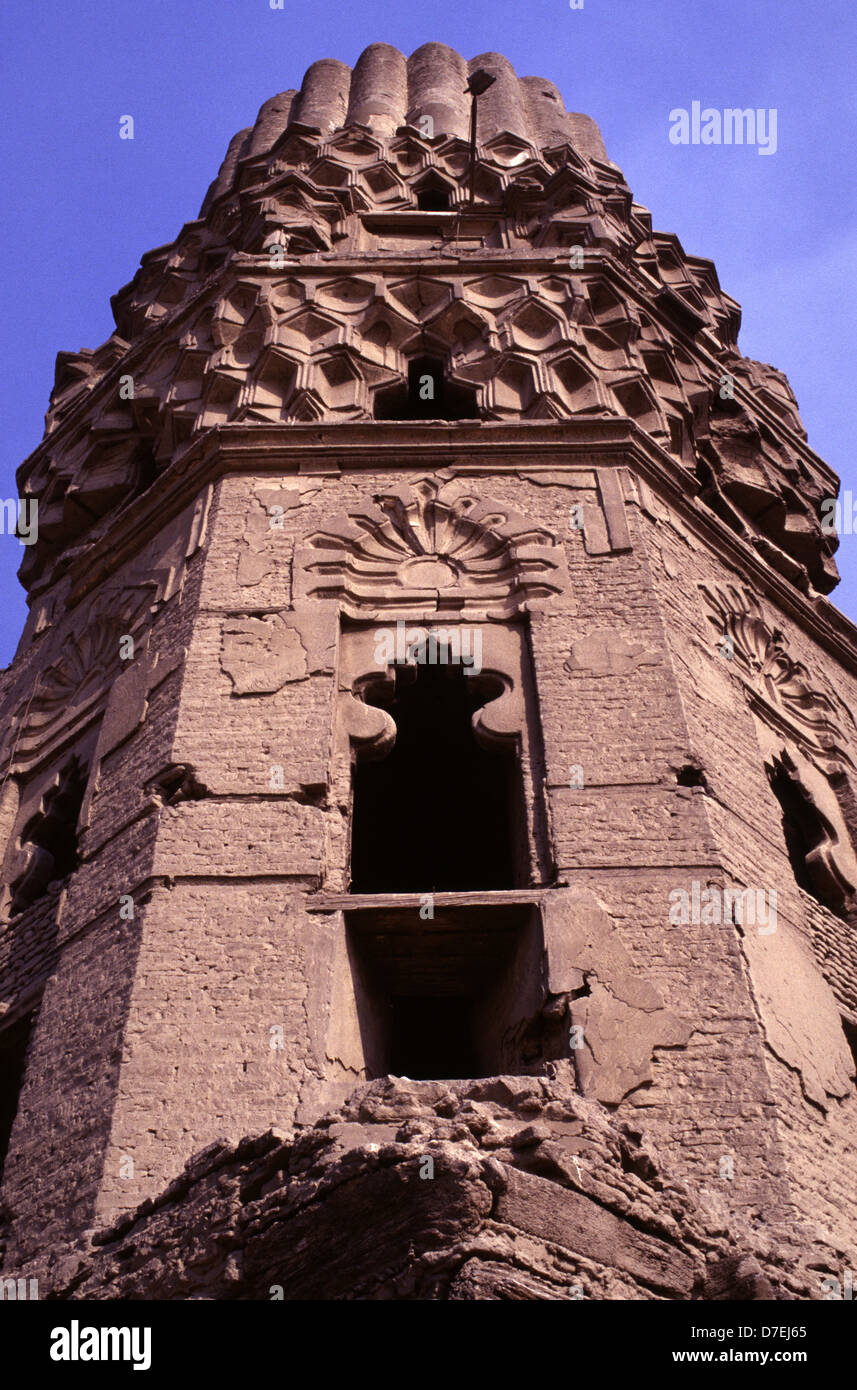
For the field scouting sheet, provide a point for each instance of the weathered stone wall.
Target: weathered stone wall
(508, 1188)
(633, 834)
(222, 966)
(222, 953)
(816, 1129)
(74, 957)
(609, 704)
(249, 516)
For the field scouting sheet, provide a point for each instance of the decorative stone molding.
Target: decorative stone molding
(499, 722)
(780, 688)
(371, 730)
(431, 548)
(503, 722)
(73, 686)
(84, 670)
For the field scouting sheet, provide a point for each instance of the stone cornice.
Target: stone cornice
(463, 448)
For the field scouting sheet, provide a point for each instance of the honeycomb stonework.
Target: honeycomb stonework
(245, 888)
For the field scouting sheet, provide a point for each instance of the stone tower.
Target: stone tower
(428, 789)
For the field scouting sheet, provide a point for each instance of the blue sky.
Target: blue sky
(81, 206)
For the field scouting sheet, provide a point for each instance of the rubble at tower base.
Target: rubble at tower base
(503, 1188)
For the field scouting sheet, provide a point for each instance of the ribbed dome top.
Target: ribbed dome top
(386, 90)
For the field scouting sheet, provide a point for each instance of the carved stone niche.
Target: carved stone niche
(452, 578)
(783, 695)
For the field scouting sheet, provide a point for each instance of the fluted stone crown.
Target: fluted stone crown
(385, 91)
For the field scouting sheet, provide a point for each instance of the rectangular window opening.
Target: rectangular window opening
(453, 997)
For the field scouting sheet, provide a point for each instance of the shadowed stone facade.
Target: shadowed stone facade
(429, 763)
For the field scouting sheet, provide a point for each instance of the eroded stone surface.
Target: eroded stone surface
(509, 1187)
(621, 1017)
(261, 654)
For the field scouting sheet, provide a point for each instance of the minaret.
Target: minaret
(429, 675)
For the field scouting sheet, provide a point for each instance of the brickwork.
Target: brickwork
(222, 557)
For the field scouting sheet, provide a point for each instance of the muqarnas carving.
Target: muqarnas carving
(597, 315)
(759, 485)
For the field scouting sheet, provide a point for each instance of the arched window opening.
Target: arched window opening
(50, 838)
(440, 812)
(808, 836)
(426, 395)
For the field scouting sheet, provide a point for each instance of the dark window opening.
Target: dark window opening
(691, 776)
(146, 465)
(14, 1041)
(449, 997)
(850, 1031)
(807, 832)
(440, 812)
(433, 197)
(50, 838)
(432, 1037)
(426, 395)
(676, 436)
